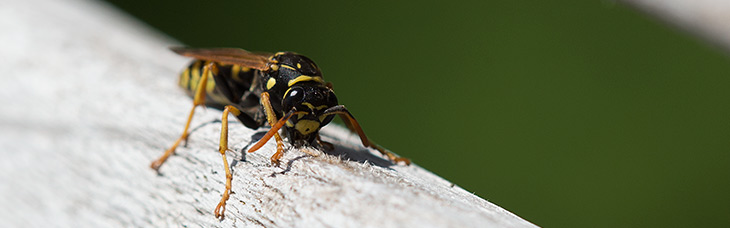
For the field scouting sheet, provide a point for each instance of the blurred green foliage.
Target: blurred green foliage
(569, 113)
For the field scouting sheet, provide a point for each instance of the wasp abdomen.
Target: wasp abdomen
(228, 86)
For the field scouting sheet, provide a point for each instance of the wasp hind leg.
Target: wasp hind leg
(198, 99)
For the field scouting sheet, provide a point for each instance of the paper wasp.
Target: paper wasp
(284, 90)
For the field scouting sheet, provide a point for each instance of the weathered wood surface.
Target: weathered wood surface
(708, 19)
(88, 99)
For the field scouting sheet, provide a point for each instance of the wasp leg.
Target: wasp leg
(271, 117)
(328, 145)
(354, 126)
(222, 148)
(198, 99)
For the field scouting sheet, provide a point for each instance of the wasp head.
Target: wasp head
(310, 100)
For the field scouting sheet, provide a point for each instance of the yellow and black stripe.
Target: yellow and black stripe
(233, 81)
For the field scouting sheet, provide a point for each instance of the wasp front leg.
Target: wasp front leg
(199, 99)
(325, 144)
(352, 124)
(275, 126)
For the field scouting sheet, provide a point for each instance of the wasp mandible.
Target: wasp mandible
(284, 90)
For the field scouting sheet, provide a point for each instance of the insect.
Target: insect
(284, 90)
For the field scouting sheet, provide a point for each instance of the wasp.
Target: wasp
(285, 90)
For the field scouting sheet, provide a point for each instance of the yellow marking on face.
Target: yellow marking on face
(311, 107)
(299, 66)
(320, 107)
(289, 123)
(288, 67)
(322, 117)
(275, 67)
(306, 126)
(303, 78)
(271, 83)
(300, 115)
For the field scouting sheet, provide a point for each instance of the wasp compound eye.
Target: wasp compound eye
(295, 97)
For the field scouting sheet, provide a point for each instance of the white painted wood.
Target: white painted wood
(88, 98)
(705, 18)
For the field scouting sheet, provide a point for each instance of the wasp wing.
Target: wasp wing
(259, 61)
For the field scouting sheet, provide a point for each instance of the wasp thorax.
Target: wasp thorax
(298, 63)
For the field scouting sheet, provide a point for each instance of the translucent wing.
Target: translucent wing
(259, 61)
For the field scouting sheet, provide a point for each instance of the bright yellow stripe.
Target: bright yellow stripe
(235, 70)
(286, 93)
(288, 67)
(303, 78)
(210, 86)
(185, 78)
(194, 75)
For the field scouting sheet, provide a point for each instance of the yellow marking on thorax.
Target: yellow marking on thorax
(303, 78)
(306, 126)
(270, 83)
(299, 66)
(288, 67)
(274, 67)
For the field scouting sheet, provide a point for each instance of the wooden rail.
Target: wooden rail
(89, 99)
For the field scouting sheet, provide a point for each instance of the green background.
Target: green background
(569, 113)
